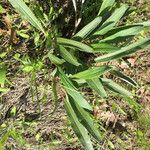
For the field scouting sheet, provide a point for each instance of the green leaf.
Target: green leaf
(93, 72)
(65, 80)
(27, 69)
(72, 91)
(2, 74)
(112, 20)
(104, 47)
(68, 56)
(26, 13)
(86, 120)
(124, 77)
(89, 28)
(4, 90)
(78, 98)
(124, 33)
(97, 86)
(2, 10)
(122, 28)
(54, 59)
(105, 5)
(78, 128)
(74, 44)
(145, 24)
(124, 51)
(54, 94)
(115, 87)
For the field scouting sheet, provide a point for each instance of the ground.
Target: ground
(127, 128)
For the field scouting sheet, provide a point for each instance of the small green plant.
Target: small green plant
(101, 38)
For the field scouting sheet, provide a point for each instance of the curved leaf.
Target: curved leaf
(78, 98)
(78, 128)
(112, 20)
(91, 73)
(68, 56)
(84, 32)
(26, 13)
(124, 51)
(115, 87)
(125, 33)
(86, 121)
(106, 4)
(65, 80)
(97, 86)
(124, 77)
(72, 91)
(54, 59)
(74, 44)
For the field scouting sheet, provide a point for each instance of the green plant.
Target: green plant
(102, 35)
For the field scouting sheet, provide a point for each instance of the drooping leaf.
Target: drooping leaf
(91, 73)
(86, 120)
(104, 47)
(78, 128)
(124, 77)
(68, 56)
(115, 87)
(54, 59)
(105, 5)
(84, 32)
(75, 44)
(78, 98)
(72, 91)
(125, 33)
(26, 13)
(65, 80)
(97, 86)
(112, 20)
(124, 51)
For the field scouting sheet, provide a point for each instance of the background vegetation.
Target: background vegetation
(40, 72)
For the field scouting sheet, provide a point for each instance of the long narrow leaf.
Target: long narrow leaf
(86, 120)
(106, 4)
(68, 56)
(83, 33)
(112, 20)
(97, 86)
(72, 91)
(78, 98)
(26, 13)
(115, 87)
(54, 59)
(75, 44)
(65, 80)
(124, 51)
(126, 33)
(124, 77)
(78, 128)
(104, 47)
(91, 73)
